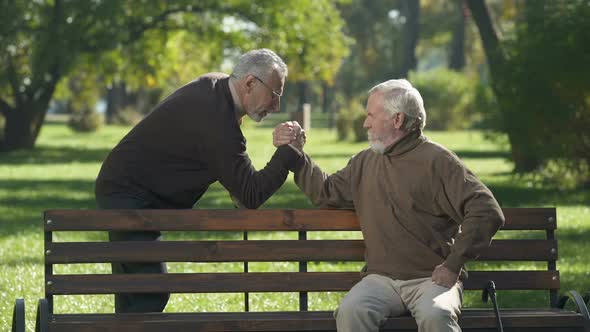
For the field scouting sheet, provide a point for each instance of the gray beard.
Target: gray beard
(257, 117)
(377, 147)
(375, 144)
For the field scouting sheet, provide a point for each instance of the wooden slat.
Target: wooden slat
(206, 251)
(530, 218)
(471, 319)
(249, 220)
(513, 280)
(520, 250)
(202, 282)
(267, 282)
(201, 220)
(262, 251)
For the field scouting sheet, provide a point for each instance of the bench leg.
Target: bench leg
(18, 316)
(42, 322)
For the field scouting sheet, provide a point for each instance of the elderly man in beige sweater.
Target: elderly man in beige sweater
(423, 214)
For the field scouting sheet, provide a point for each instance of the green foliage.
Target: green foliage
(565, 174)
(350, 119)
(486, 107)
(85, 121)
(359, 131)
(342, 127)
(376, 53)
(313, 45)
(545, 88)
(449, 98)
(154, 43)
(2, 124)
(127, 116)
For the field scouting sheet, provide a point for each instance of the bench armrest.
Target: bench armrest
(578, 300)
(18, 316)
(42, 321)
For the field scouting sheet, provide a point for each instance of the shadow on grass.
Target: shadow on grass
(475, 154)
(23, 208)
(54, 155)
(515, 194)
(19, 261)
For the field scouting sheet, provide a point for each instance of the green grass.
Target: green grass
(60, 173)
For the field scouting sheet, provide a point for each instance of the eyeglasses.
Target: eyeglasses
(276, 95)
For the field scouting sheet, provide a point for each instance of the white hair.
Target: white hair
(260, 63)
(399, 96)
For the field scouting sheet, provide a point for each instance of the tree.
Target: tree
(457, 46)
(524, 158)
(386, 36)
(42, 42)
(541, 79)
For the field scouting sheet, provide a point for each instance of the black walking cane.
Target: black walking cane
(490, 290)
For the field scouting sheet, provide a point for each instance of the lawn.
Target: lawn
(60, 173)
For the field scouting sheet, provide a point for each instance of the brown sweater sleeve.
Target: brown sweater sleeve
(322, 189)
(470, 203)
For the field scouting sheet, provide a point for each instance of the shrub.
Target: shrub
(448, 98)
(342, 126)
(359, 131)
(350, 120)
(566, 173)
(127, 116)
(85, 120)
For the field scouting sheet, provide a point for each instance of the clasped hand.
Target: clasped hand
(291, 133)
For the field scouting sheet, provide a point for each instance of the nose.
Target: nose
(366, 123)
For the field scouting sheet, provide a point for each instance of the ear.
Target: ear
(249, 83)
(398, 120)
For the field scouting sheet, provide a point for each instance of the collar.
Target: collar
(407, 143)
(234, 96)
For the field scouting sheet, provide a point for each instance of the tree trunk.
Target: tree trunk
(303, 95)
(23, 126)
(457, 47)
(523, 153)
(116, 101)
(326, 97)
(489, 35)
(411, 10)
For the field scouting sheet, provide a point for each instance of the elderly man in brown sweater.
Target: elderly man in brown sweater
(423, 214)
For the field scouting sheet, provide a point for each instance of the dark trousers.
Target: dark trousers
(132, 302)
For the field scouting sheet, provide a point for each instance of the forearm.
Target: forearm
(323, 190)
(483, 219)
(251, 187)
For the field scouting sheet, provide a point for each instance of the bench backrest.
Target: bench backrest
(301, 250)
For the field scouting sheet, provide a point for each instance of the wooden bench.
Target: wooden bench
(545, 317)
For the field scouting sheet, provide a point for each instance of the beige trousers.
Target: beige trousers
(375, 297)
